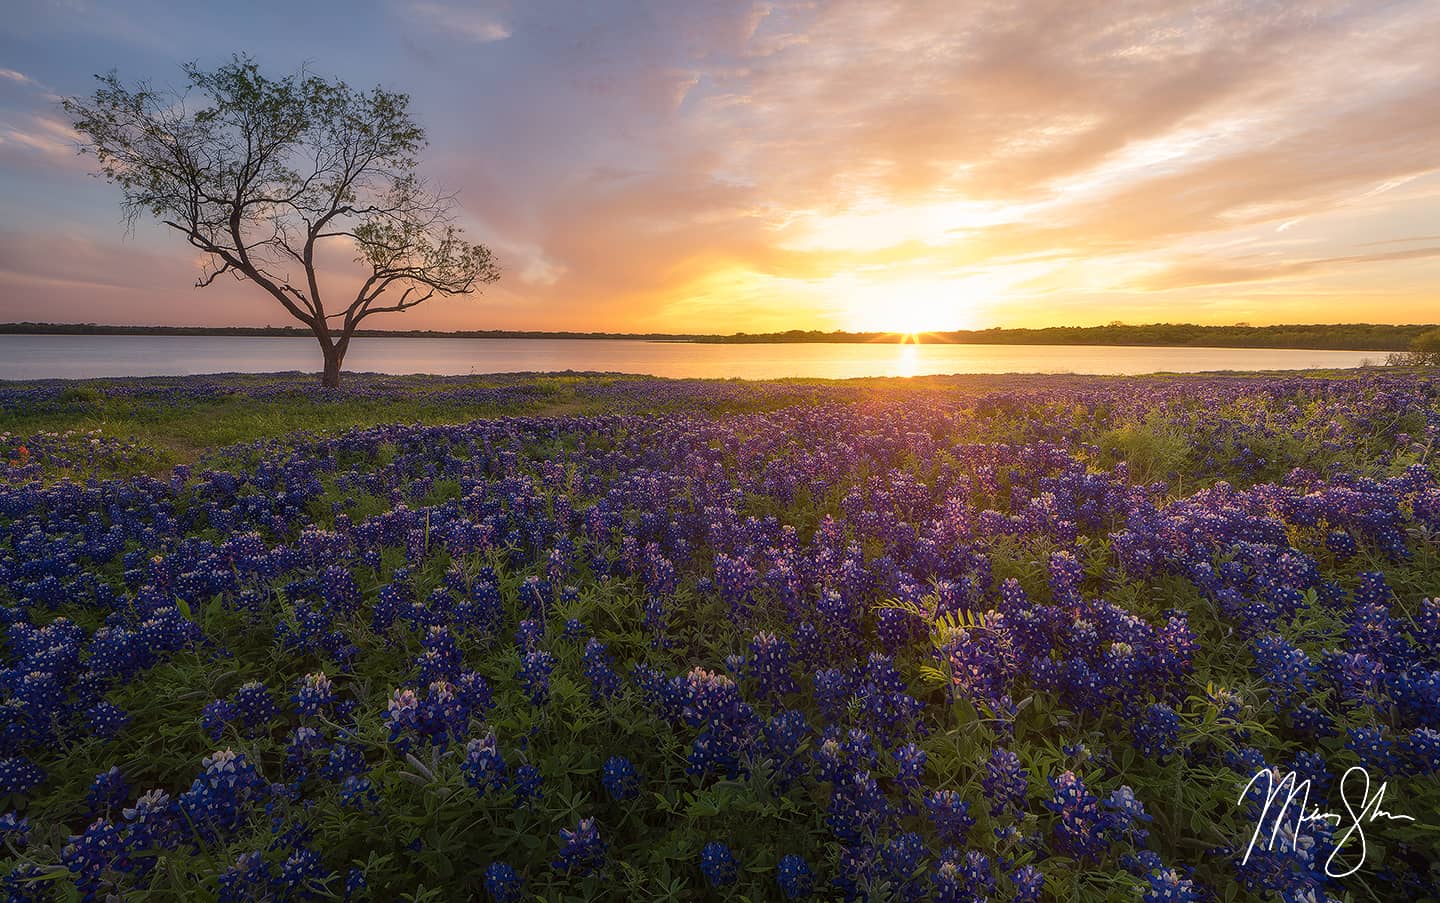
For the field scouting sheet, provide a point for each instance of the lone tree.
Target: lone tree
(258, 172)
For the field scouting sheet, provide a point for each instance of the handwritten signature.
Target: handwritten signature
(1289, 790)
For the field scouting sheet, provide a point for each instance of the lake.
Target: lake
(74, 357)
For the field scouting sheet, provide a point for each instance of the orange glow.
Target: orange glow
(867, 165)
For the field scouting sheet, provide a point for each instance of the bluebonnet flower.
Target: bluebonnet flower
(357, 792)
(604, 682)
(794, 876)
(105, 720)
(581, 850)
(503, 884)
(216, 716)
(107, 791)
(980, 663)
(1311, 721)
(769, 664)
(619, 778)
(960, 879)
(897, 629)
(442, 716)
(718, 865)
(93, 856)
(1156, 732)
(315, 694)
(345, 760)
(1066, 575)
(909, 767)
(1311, 766)
(473, 692)
(254, 705)
(483, 766)
(950, 815)
(785, 732)
(355, 883)
(885, 707)
(856, 870)
(534, 675)
(1006, 782)
(1284, 667)
(857, 808)
(152, 823)
(536, 592)
(1141, 862)
(1357, 676)
(527, 784)
(728, 726)
(1372, 589)
(1125, 815)
(1427, 626)
(529, 634)
(655, 620)
(1342, 544)
(302, 743)
(19, 775)
(439, 657)
(217, 800)
(832, 689)
(14, 830)
(301, 874)
(1422, 747)
(1373, 747)
(900, 859)
(1078, 828)
(1166, 886)
(1028, 882)
(25, 883)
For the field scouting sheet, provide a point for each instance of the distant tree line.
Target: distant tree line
(1337, 336)
(283, 331)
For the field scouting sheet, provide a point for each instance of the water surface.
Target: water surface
(76, 357)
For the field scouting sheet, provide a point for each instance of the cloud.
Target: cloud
(467, 22)
(30, 138)
(1398, 241)
(1120, 129)
(693, 161)
(1203, 273)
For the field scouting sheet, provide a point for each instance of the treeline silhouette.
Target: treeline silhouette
(283, 331)
(1338, 336)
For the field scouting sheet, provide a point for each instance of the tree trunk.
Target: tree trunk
(330, 378)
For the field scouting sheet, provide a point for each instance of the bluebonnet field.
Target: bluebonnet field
(950, 639)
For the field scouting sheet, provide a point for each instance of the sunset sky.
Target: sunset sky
(705, 165)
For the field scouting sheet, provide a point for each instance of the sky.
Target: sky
(719, 166)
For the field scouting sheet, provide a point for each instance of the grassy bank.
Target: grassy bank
(179, 418)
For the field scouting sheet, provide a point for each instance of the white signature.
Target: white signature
(1289, 790)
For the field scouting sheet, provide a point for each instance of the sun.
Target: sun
(919, 315)
(910, 307)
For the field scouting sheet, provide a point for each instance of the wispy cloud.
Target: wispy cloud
(1198, 273)
(464, 21)
(31, 137)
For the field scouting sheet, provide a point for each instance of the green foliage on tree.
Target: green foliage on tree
(1425, 349)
